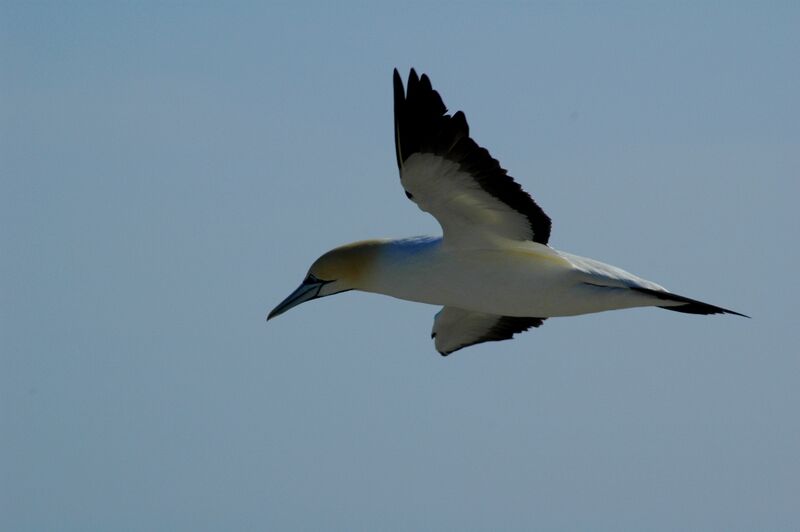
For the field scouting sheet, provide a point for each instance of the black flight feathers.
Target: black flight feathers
(690, 306)
(422, 125)
(504, 329)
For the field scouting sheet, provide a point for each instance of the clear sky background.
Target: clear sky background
(169, 172)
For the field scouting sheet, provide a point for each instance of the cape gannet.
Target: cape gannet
(492, 269)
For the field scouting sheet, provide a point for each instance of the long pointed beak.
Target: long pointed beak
(305, 292)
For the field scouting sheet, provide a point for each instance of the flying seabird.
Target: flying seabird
(491, 270)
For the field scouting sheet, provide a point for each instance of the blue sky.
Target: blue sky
(169, 172)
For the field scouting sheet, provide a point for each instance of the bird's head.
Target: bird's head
(339, 270)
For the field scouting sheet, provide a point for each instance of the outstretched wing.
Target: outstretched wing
(455, 328)
(449, 175)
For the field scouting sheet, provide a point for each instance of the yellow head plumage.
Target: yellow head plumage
(347, 264)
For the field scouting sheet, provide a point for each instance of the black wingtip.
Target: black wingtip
(704, 309)
(397, 81)
(690, 306)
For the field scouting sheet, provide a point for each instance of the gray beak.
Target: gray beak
(305, 292)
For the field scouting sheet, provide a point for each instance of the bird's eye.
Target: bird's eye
(313, 279)
(409, 195)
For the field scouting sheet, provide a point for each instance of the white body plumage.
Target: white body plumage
(520, 279)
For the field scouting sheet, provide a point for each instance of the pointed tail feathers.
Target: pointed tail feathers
(689, 306)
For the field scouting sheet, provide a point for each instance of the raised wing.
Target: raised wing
(449, 175)
(455, 328)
